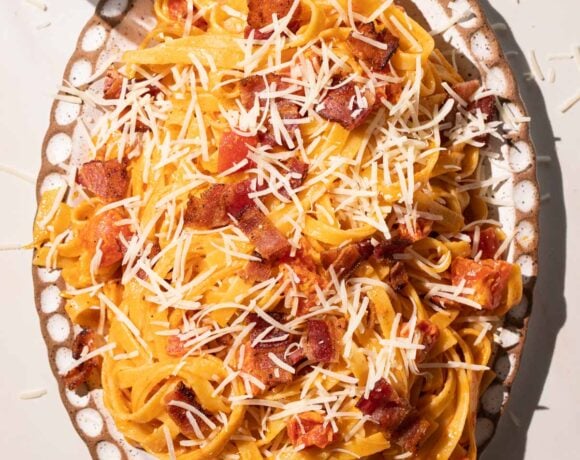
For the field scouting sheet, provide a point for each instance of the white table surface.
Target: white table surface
(543, 419)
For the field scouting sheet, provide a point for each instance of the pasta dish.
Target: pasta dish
(276, 244)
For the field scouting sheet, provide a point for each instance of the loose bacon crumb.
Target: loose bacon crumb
(346, 259)
(178, 11)
(375, 58)
(310, 430)
(261, 325)
(260, 14)
(391, 92)
(296, 167)
(257, 271)
(175, 346)
(488, 278)
(466, 89)
(411, 433)
(488, 242)
(87, 340)
(428, 336)
(288, 111)
(108, 180)
(384, 406)
(184, 394)
(306, 270)
(113, 84)
(252, 86)
(323, 340)
(336, 106)
(485, 105)
(104, 227)
(397, 277)
(263, 234)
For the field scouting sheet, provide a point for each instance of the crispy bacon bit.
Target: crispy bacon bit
(257, 271)
(269, 341)
(86, 341)
(375, 58)
(178, 11)
(397, 277)
(346, 259)
(299, 171)
(175, 346)
(488, 278)
(106, 179)
(212, 208)
(323, 340)
(391, 92)
(485, 105)
(184, 394)
(263, 234)
(342, 106)
(288, 111)
(304, 267)
(260, 14)
(428, 335)
(386, 249)
(488, 242)
(104, 227)
(309, 429)
(251, 87)
(113, 84)
(233, 149)
(411, 433)
(421, 230)
(384, 406)
(466, 89)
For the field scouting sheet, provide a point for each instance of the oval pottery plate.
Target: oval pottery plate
(119, 25)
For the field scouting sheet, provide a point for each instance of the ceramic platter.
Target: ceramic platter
(121, 24)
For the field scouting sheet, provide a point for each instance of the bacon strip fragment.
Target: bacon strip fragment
(397, 277)
(488, 278)
(263, 234)
(309, 429)
(257, 271)
(375, 58)
(466, 89)
(485, 105)
(103, 227)
(304, 267)
(175, 346)
(342, 106)
(346, 259)
(113, 84)
(384, 406)
(184, 394)
(86, 341)
(108, 180)
(178, 11)
(411, 433)
(323, 340)
(428, 333)
(299, 171)
(260, 14)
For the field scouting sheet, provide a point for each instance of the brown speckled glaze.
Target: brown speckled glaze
(123, 23)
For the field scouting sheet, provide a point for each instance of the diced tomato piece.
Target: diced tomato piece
(234, 149)
(104, 227)
(488, 243)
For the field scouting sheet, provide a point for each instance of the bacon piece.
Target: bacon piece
(212, 208)
(182, 393)
(411, 433)
(488, 242)
(384, 406)
(269, 242)
(103, 227)
(113, 84)
(260, 14)
(178, 11)
(323, 340)
(466, 89)
(233, 149)
(428, 335)
(251, 87)
(488, 278)
(309, 429)
(342, 106)
(421, 230)
(304, 267)
(485, 105)
(175, 346)
(299, 171)
(386, 249)
(87, 340)
(391, 92)
(257, 271)
(269, 341)
(288, 111)
(375, 58)
(106, 179)
(346, 259)
(397, 277)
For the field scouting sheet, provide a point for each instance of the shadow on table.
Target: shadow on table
(549, 305)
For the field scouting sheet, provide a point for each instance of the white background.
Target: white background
(543, 419)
